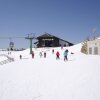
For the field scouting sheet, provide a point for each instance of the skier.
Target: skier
(57, 55)
(65, 55)
(52, 51)
(44, 54)
(10, 53)
(40, 54)
(32, 54)
(20, 56)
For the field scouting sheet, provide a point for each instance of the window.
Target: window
(90, 50)
(95, 50)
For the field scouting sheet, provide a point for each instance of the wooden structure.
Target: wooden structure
(48, 40)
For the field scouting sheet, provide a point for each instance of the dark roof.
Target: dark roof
(67, 42)
(46, 35)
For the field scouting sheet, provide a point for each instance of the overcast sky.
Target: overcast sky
(72, 20)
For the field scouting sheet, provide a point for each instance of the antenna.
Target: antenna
(94, 31)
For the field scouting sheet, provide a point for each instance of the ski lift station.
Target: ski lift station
(48, 40)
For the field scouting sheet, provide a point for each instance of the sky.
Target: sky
(71, 20)
(48, 78)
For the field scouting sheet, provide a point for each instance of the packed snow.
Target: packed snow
(48, 78)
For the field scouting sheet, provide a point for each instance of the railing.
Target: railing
(8, 60)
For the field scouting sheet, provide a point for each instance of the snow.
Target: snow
(51, 79)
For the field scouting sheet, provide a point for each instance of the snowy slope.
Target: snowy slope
(51, 79)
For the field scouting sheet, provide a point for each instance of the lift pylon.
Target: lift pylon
(30, 36)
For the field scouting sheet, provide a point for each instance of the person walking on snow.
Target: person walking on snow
(57, 55)
(52, 51)
(65, 55)
(44, 54)
(32, 54)
(20, 56)
(40, 54)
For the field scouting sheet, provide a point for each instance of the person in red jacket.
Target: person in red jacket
(57, 55)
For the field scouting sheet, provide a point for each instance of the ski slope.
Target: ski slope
(51, 79)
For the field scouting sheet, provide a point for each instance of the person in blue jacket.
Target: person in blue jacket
(65, 55)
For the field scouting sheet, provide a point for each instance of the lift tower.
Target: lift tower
(30, 36)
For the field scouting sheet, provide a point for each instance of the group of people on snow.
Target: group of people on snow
(65, 54)
(43, 53)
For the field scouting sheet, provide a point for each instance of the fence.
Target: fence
(8, 60)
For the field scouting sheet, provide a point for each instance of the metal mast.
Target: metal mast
(30, 36)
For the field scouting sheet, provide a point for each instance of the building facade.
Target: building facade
(48, 40)
(93, 47)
